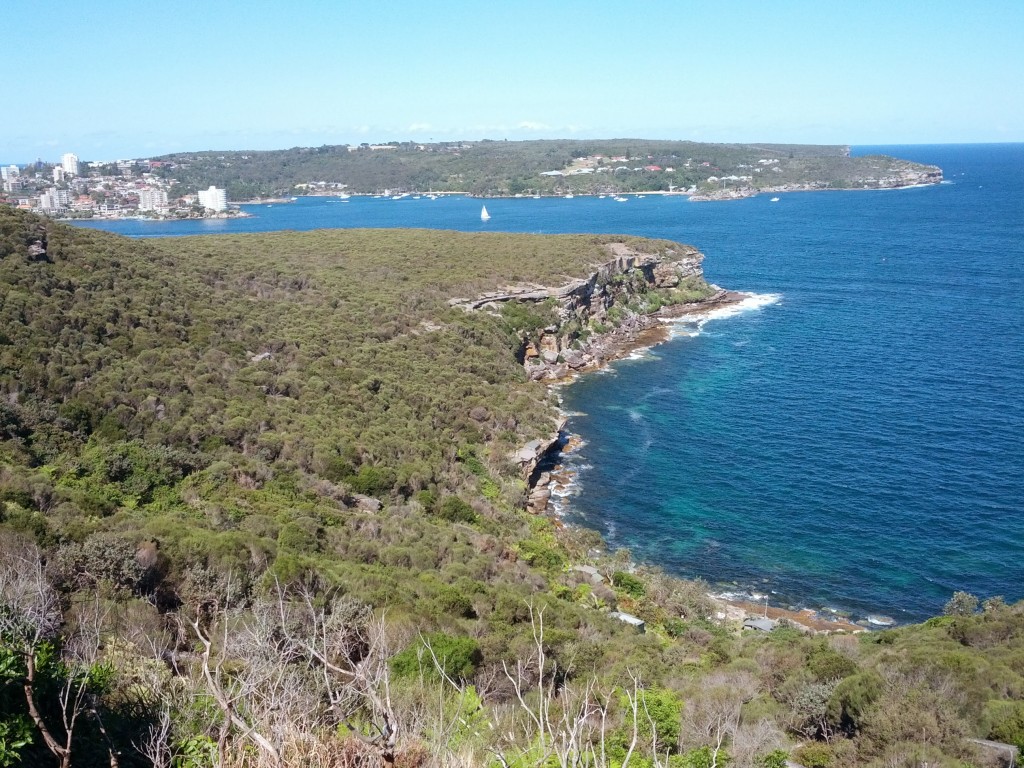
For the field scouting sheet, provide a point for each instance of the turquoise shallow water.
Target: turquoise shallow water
(858, 443)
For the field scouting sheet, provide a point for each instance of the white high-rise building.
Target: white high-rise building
(69, 162)
(54, 199)
(152, 199)
(11, 178)
(213, 198)
(58, 173)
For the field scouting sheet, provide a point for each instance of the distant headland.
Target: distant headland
(170, 186)
(703, 171)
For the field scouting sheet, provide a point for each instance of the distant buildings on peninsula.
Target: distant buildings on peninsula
(116, 189)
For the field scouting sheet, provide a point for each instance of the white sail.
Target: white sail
(484, 215)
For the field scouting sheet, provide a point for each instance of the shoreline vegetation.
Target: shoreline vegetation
(264, 501)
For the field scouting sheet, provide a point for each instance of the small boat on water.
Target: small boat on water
(774, 200)
(569, 196)
(484, 215)
(619, 199)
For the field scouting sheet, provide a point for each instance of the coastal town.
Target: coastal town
(213, 184)
(117, 189)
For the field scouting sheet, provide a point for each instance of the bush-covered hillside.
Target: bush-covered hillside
(516, 167)
(195, 569)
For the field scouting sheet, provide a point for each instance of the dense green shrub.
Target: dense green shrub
(827, 665)
(457, 657)
(628, 583)
(372, 481)
(814, 755)
(1006, 722)
(455, 510)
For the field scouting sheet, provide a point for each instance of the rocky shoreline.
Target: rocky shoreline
(557, 359)
(586, 337)
(901, 179)
(639, 332)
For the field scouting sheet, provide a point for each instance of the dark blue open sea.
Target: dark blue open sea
(855, 439)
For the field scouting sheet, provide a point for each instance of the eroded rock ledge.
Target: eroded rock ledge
(601, 317)
(586, 328)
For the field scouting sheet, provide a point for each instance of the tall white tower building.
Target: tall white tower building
(69, 162)
(213, 198)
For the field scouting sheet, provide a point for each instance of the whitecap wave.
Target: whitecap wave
(642, 353)
(691, 325)
(905, 186)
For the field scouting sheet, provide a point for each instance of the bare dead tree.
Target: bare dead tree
(30, 618)
(347, 646)
(712, 716)
(568, 725)
(751, 740)
(155, 743)
(660, 760)
(229, 691)
(82, 651)
(293, 664)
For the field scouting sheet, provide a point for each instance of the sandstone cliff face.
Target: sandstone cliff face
(591, 326)
(585, 303)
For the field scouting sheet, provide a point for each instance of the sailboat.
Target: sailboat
(484, 215)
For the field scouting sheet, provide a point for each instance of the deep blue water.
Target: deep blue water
(858, 443)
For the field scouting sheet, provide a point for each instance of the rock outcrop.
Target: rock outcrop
(586, 334)
(896, 175)
(596, 318)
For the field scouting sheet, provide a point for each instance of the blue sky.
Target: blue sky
(114, 79)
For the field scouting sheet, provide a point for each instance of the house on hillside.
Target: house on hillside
(760, 624)
(627, 618)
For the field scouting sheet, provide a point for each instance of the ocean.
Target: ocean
(852, 439)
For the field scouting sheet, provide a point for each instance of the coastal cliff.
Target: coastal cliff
(876, 173)
(616, 308)
(595, 317)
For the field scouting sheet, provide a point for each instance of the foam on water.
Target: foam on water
(691, 326)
